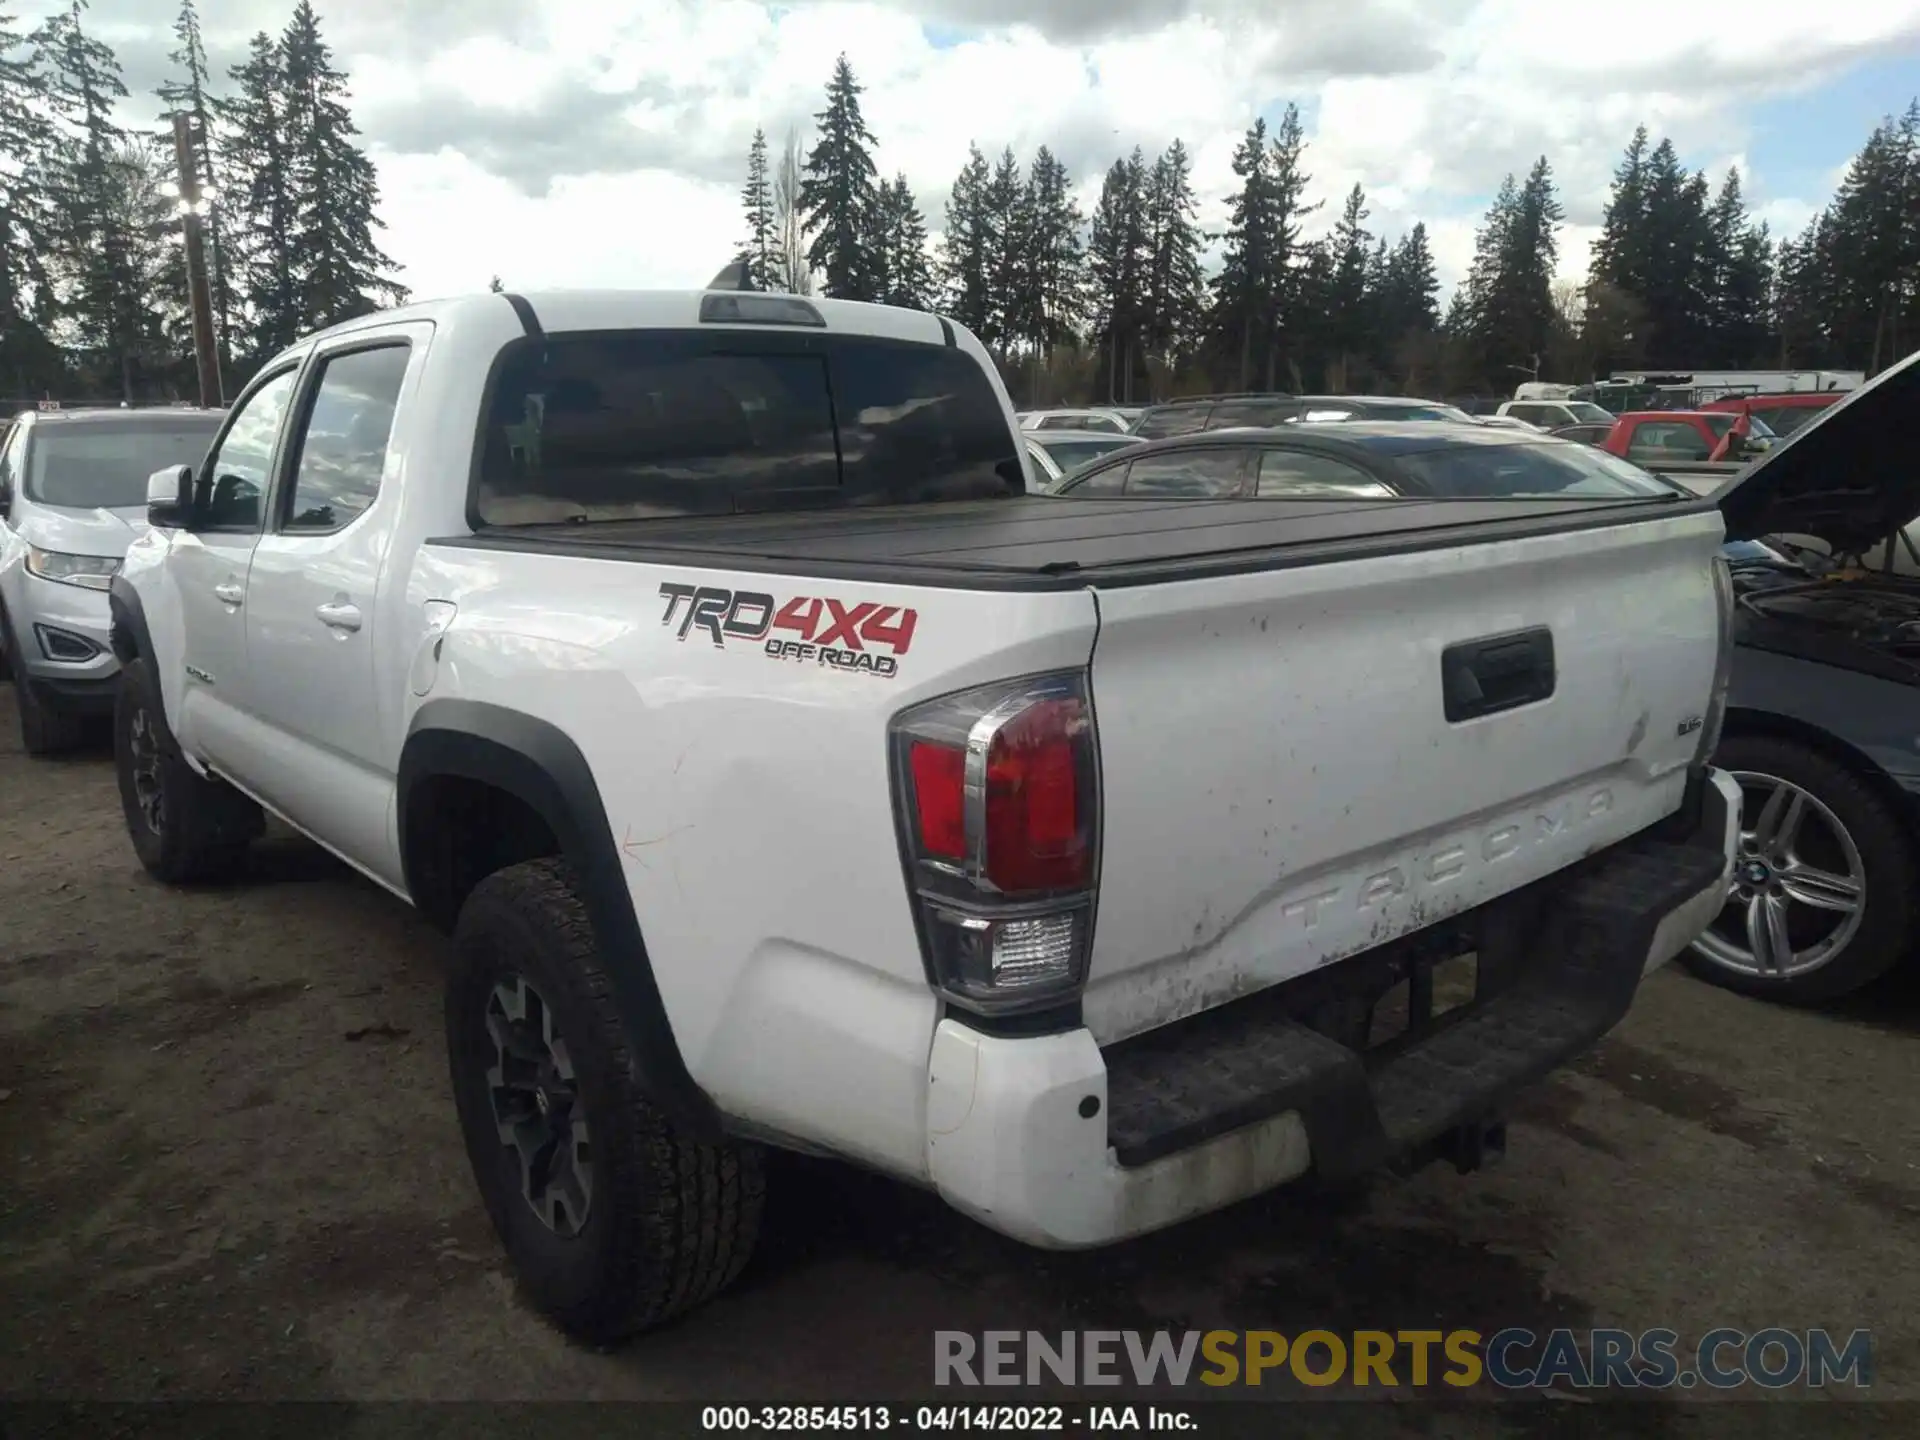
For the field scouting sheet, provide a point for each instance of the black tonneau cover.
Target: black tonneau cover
(1043, 542)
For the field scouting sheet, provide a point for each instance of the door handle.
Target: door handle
(339, 615)
(228, 592)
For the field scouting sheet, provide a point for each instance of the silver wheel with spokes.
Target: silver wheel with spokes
(1799, 890)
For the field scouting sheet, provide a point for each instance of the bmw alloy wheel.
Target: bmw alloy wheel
(1799, 887)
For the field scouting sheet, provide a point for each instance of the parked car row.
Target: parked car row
(1823, 722)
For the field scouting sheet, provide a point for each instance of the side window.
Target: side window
(237, 473)
(1172, 420)
(1101, 483)
(1537, 414)
(342, 447)
(1056, 422)
(1210, 474)
(1301, 474)
(1326, 412)
(1105, 424)
(1251, 412)
(1666, 440)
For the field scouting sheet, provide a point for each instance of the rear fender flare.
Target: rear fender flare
(538, 764)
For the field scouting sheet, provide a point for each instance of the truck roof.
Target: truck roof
(560, 311)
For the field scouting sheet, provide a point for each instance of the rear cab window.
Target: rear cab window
(639, 424)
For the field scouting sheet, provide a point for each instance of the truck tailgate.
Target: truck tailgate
(1284, 785)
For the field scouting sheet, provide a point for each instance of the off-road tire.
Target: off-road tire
(206, 825)
(671, 1220)
(1887, 851)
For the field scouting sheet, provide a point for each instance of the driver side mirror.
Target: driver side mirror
(170, 497)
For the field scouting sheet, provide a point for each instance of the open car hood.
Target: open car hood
(1850, 477)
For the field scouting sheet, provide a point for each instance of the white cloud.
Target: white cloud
(583, 142)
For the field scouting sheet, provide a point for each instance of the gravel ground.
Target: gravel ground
(232, 1171)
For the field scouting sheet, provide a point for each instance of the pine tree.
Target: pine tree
(1246, 291)
(341, 273)
(1118, 255)
(1350, 317)
(28, 357)
(1619, 254)
(1869, 252)
(1055, 274)
(1008, 226)
(838, 194)
(190, 90)
(260, 205)
(1409, 311)
(966, 247)
(1517, 314)
(1737, 280)
(97, 254)
(1504, 313)
(1803, 298)
(906, 277)
(1674, 225)
(757, 200)
(1300, 288)
(1174, 285)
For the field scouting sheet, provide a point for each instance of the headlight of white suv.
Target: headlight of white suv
(95, 572)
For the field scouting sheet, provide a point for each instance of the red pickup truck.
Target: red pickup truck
(1680, 435)
(1783, 413)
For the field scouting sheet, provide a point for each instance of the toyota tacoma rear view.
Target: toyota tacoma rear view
(789, 774)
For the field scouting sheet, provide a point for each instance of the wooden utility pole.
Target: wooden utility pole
(194, 206)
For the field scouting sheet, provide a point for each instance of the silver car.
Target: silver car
(73, 497)
(1056, 454)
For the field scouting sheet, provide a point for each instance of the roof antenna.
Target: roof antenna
(737, 275)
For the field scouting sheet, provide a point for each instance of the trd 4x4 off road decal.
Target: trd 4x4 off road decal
(860, 635)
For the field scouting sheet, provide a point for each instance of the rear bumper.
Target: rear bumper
(1057, 1143)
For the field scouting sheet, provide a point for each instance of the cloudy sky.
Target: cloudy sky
(602, 142)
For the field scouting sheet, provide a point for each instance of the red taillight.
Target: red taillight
(998, 795)
(939, 798)
(1035, 840)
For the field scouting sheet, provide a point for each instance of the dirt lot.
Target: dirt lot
(232, 1170)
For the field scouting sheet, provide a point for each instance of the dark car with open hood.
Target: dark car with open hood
(1823, 715)
(1823, 723)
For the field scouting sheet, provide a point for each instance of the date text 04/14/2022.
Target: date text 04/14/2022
(941, 1419)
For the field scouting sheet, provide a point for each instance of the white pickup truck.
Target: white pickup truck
(787, 774)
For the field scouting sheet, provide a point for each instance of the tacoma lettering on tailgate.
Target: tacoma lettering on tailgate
(838, 634)
(1430, 872)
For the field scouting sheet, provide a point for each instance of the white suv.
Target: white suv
(73, 496)
(1552, 414)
